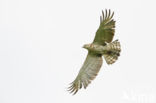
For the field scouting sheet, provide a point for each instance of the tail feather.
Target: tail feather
(113, 52)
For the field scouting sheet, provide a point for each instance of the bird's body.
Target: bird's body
(96, 48)
(100, 49)
(102, 46)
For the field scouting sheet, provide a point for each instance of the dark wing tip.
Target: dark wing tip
(106, 16)
(73, 88)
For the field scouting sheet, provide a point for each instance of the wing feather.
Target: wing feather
(105, 32)
(88, 72)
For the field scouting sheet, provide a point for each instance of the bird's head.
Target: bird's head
(86, 46)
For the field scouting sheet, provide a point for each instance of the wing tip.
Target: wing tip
(107, 15)
(73, 88)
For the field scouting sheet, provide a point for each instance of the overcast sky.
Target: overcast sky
(41, 51)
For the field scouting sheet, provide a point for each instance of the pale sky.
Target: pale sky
(41, 51)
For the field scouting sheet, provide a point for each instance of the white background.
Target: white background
(41, 51)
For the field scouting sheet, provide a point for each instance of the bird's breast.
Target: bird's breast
(97, 48)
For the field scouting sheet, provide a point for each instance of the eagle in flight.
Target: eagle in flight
(102, 46)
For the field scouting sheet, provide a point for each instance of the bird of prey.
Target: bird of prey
(102, 46)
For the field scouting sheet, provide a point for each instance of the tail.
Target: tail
(113, 52)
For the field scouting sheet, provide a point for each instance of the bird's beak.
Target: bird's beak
(84, 46)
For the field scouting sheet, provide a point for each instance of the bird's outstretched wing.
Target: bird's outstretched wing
(87, 72)
(106, 29)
